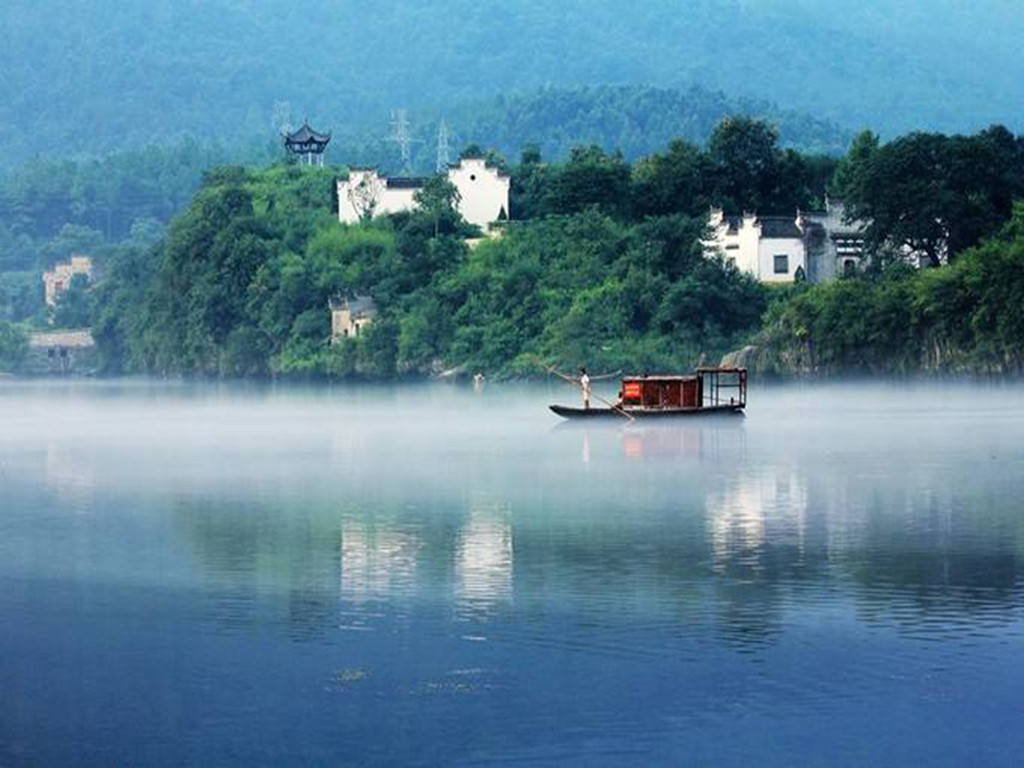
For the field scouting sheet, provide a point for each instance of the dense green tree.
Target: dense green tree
(75, 305)
(932, 194)
(117, 322)
(528, 188)
(742, 170)
(531, 154)
(743, 154)
(72, 239)
(848, 181)
(669, 245)
(636, 120)
(677, 181)
(903, 196)
(591, 177)
(800, 181)
(13, 347)
(21, 295)
(439, 199)
(379, 349)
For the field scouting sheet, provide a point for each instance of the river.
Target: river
(426, 576)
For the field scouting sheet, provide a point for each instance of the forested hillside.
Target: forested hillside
(964, 317)
(80, 80)
(51, 207)
(602, 265)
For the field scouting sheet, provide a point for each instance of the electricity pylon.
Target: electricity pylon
(443, 150)
(401, 136)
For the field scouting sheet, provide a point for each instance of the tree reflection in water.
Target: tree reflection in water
(340, 563)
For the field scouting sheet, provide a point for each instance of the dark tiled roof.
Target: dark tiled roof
(305, 134)
(359, 306)
(406, 182)
(487, 164)
(779, 227)
(362, 305)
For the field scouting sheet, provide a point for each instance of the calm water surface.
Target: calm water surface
(424, 576)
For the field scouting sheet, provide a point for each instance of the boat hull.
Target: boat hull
(646, 413)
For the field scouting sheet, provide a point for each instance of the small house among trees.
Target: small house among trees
(349, 317)
(61, 353)
(58, 280)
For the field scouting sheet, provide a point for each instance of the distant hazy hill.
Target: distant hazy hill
(92, 77)
(635, 119)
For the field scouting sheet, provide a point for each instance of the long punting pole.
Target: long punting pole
(575, 382)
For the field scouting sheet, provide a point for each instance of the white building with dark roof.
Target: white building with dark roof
(815, 246)
(483, 191)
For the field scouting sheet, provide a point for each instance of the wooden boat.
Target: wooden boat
(707, 392)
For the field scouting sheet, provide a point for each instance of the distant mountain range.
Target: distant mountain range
(75, 80)
(636, 120)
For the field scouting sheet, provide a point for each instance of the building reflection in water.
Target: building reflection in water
(484, 558)
(739, 517)
(393, 562)
(757, 532)
(377, 563)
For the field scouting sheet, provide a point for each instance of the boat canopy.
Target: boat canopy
(708, 387)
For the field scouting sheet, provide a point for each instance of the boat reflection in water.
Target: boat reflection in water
(432, 578)
(714, 440)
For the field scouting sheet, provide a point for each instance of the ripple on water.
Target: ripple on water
(284, 574)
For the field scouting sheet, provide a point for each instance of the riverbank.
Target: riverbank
(960, 319)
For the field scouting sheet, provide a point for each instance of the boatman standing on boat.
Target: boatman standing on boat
(585, 387)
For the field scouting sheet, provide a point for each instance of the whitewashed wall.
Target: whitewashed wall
(389, 200)
(768, 249)
(739, 247)
(483, 190)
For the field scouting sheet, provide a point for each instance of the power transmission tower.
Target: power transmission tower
(443, 150)
(400, 135)
(282, 116)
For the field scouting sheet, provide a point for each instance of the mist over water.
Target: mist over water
(424, 575)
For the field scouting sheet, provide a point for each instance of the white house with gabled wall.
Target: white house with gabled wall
(815, 246)
(483, 191)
